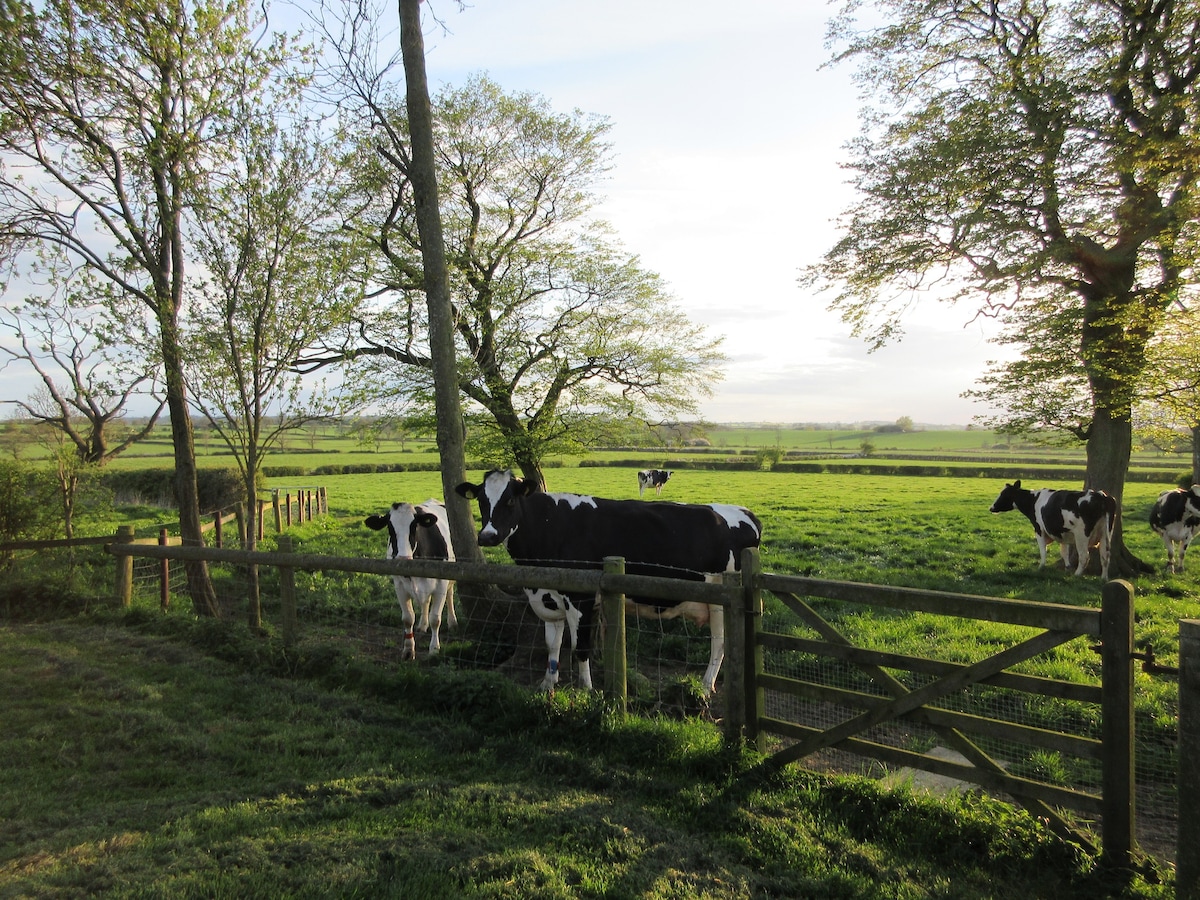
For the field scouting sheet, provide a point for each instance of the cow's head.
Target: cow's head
(1008, 497)
(499, 507)
(402, 522)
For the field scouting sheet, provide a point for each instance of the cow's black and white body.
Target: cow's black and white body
(674, 540)
(419, 532)
(1175, 517)
(654, 478)
(1075, 519)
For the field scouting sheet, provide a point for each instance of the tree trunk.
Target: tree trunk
(1109, 447)
(423, 176)
(1196, 454)
(187, 491)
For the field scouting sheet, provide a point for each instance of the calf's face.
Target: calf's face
(402, 522)
(499, 504)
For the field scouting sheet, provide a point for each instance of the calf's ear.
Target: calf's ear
(376, 522)
(468, 490)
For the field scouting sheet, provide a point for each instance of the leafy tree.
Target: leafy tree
(557, 328)
(111, 112)
(1030, 156)
(279, 269)
(1171, 401)
(279, 273)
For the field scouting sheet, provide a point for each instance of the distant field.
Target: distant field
(329, 446)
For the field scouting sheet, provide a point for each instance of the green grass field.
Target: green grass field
(157, 755)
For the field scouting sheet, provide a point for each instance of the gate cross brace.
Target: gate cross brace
(907, 701)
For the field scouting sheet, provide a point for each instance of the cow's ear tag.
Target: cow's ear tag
(467, 490)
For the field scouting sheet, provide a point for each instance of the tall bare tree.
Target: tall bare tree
(88, 370)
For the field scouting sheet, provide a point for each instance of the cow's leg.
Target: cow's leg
(1081, 550)
(554, 611)
(582, 620)
(1105, 549)
(451, 617)
(1183, 545)
(408, 649)
(437, 602)
(716, 652)
(1042, 542)
(1170, 545)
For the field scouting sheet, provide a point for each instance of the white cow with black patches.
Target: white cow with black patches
(673, 540)
(419, 532)
(1175, 517)
(1075, 519)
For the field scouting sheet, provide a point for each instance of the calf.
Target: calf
(419, 532)
(1083, 518)
(654, 478)
(673, 540)
(1175, 517)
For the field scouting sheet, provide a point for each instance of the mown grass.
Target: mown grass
(152, 756)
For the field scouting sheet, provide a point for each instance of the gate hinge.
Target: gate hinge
(1150, 664)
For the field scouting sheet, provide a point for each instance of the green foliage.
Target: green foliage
(28, 502)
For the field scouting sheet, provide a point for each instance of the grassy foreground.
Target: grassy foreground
(152, 756)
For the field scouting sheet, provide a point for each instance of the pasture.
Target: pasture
(200, 759)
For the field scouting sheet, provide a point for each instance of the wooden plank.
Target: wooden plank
(1048, 616)
(583, 580)
(994, 781)
(1015, 732)
(1029, 684)
(926, 694)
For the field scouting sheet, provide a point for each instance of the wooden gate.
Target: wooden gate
(922, 691)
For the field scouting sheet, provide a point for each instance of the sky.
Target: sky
(728, 134)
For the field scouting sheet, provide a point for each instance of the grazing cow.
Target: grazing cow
(1086, 518)
(674, 540)
(654, 478)
(419, 532)
(1175, 516)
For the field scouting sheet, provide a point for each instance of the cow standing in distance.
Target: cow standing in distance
(1175, 517)
(674, 540)
(419, 532)
(655, 478)
(1082, 519)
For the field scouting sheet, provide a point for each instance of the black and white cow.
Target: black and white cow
(1175, 516)
(1082, 519)
(654, 478)
(419, 532)
(674, 540)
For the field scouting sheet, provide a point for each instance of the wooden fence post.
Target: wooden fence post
(736, 665)
(288, 518)
(278, 512)
(1118, 807)
(164, 573)
(287, 594)
(217, 527)
(616, 686)
(752, 608)
(124, 586)
(322, 501)
(1187, 837)
(239, 513)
